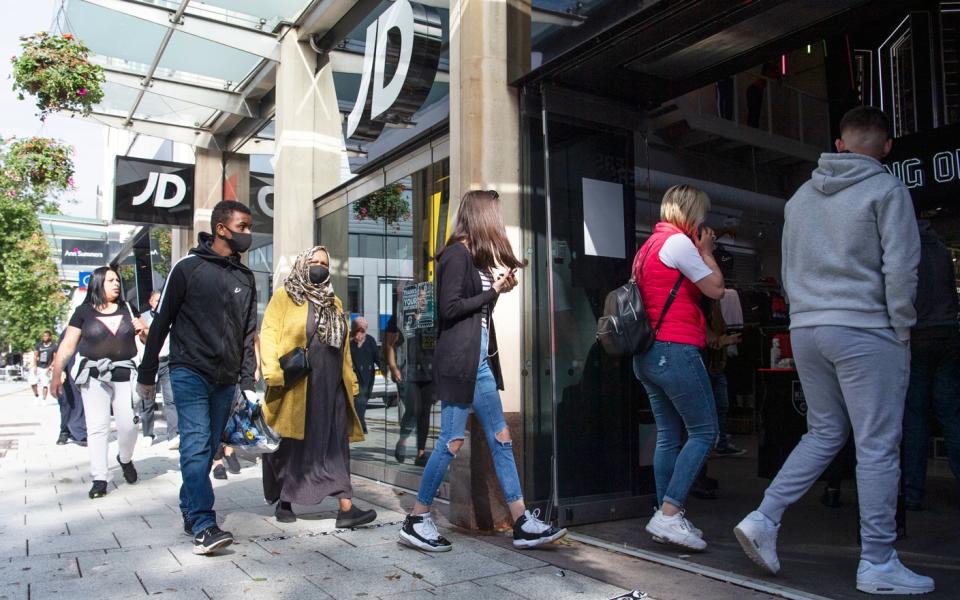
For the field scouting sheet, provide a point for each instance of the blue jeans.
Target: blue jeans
(934, 382)
(453, 423)
(681, 399)
(202, 411)
(718, 383)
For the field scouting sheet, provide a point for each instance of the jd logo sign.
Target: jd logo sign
(153, 192)
(261, 202)
(399, 64)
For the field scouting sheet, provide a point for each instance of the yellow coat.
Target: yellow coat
(285, 328)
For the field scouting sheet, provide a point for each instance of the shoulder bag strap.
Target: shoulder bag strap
(670, 299)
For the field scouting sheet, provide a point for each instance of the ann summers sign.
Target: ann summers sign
(153, 192)
(399, 65)
(83, 252)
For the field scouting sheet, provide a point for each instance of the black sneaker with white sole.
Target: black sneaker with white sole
(211, 539)
(419, 531)
(529, 531)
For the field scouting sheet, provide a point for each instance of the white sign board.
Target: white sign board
(603, 219)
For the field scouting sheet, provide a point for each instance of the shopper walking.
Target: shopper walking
(674, 269)
(934, 367)
(73, 427)
(209, 307)
(149, 405)
(43, 363)
(410, 366)
(366, 360)
(467, 368)
(315, 416)
(103, 330)
(850, 256)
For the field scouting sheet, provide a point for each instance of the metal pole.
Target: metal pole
(174, 21)
(554, 471)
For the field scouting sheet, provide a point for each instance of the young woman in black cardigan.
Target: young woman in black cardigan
(466, 368)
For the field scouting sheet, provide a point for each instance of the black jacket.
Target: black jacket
(460, 298)
(210, 303)
(936, 301)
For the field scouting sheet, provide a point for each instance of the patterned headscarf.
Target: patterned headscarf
(329, 319)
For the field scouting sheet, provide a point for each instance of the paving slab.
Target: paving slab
(551, 583)
(382, 581)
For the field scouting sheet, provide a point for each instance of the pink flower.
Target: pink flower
(70, 181)
(82, 91)
(11, 193)
(363, 211)
(68, 36)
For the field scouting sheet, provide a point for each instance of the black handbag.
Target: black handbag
(624, 329)
(296, 364)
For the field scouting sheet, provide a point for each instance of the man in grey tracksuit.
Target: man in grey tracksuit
(850, 255)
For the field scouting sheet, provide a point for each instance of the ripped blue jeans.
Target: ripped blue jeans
(453, 422)
(681, 398)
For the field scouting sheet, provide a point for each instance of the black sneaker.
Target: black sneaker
(99, 489)
(233, 463)
(219, 472)
(284, 513)
(355, 517)
(729, 450)
(79, 442)
(211, 539)
(529, 531)
(398, 452)
(187, 524)
(63, 439)
(420, 461)
(419, 531)
(129, 471)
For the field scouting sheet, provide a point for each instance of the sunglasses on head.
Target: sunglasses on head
(493, 194)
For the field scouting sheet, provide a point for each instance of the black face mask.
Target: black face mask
(239, 242)
(319, 274)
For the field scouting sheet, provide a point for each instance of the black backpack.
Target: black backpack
(624, 328)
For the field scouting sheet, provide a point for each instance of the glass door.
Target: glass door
(600, 421)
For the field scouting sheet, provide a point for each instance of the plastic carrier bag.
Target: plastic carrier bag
(247, 428)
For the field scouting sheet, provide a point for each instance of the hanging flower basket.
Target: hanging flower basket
(387, 204)
(56, 69)
(43, 163)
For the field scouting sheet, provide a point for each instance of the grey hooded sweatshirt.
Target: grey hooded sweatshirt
(851, 248)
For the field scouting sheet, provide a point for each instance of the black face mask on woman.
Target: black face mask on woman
(319, 274)
(239, 242)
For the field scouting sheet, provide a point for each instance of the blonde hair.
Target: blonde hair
(685, 206)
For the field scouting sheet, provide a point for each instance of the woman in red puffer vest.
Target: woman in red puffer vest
(672, 371)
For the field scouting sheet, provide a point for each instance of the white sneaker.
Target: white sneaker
(675, 530)
(696, 530)
(757, 535)
(529, 531)
(420, 531)
(891, 577)
(174, 444)
(146, 441)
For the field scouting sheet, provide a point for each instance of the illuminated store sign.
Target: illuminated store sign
(928, 163)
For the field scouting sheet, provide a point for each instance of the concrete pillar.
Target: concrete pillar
(309, 146)
(207, 191)
(489, 47)
(236, 178)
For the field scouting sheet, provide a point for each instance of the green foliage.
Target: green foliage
(388, 204)
(163, 243)
(56, 69)
(31, 298)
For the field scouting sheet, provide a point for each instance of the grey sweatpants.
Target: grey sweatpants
(850, 377)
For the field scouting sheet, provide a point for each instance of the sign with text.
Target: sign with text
(928, 163)
(83, 252)
(261, 202)
(406, 41)
(418, 306)
(153, 192)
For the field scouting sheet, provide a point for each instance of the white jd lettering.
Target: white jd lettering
(157, 185)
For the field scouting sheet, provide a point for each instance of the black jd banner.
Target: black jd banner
(153, 192)
(261, 202)
(83, 252)
(928, 163)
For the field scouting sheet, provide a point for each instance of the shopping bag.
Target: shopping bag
(247, 428)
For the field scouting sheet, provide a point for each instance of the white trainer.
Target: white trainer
(146, 441)
(696, 530)
(675, 530)
(757, 535)
(174, 444)
(891, 577)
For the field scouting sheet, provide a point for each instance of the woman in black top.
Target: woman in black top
(466, 368)
(103, 331)
(366, 359)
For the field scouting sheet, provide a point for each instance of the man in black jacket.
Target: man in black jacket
(209, 304)
(934, 366)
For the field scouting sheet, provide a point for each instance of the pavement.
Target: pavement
(57, 543)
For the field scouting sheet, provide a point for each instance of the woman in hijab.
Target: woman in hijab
(315, 416)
